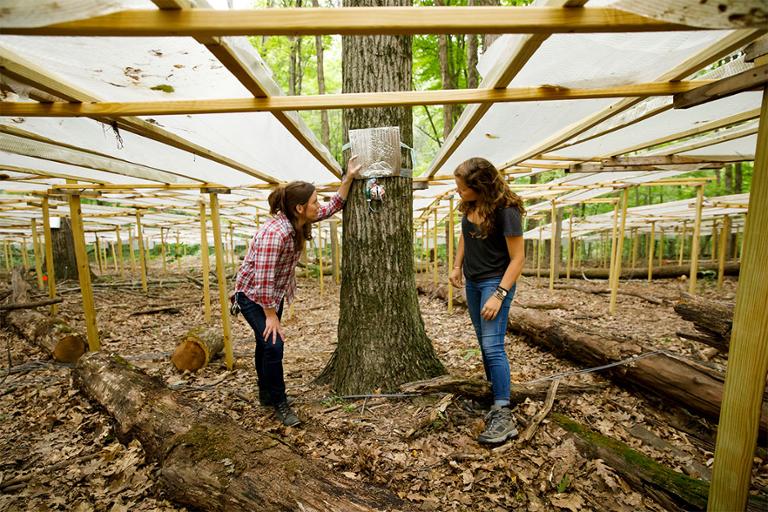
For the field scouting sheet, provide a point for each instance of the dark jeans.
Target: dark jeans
(490, 335)
(268, 356)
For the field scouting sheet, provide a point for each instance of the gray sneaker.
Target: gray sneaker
(285, 414)
(499, 426)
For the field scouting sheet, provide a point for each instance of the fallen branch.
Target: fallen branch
(30, 305)
(161, 309)
(548, 403)
(606, 291)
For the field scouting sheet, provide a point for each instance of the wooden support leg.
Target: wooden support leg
(434, 246)
(38, 256)
(221, 280)
(695, 241)
(24, 255)
(450, 253)
(651, 244)
(119, 251)
(177, 252)
(619, 252)
(569, 259)
(552, 247)
(205, 265)
(162, 251)
(131, 253)
(142, 253)
(725, 234)
(320, 258)
(748, 353)
(49, 269)
(97, 253)
(84, 273)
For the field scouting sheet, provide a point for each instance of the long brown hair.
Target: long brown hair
(285, 199)
(493, 192)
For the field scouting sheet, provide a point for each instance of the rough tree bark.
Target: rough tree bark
(382, 341)
(197, 347)
(325, 136)
(63, 245)
(713, 320)
(208, 461)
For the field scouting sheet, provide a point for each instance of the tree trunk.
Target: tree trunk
(713, 320)
(737, 179)
(197, 348)
(208, 461)
(51, 334)
(63, 245)
(445, 77)
(381, 338)
(488, 39)
(669, 271)
(473, 78)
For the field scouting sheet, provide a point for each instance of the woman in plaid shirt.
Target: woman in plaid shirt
(267, 278)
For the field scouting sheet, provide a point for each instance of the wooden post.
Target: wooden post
(97, 253)
(232, 245)
(714, 236)
(619, 251)
(434, 239)
(221, 280)
(305, 258)
(538, 260)
(84, 273)
(335, 251)
(661, 246)
(633, 234)
(130, 251)
(119, 250)
(681, 243)
(38, 256)
(320, 257)
(748, 352)
(178, 256)
(162, 251)
(205, 265)
(570, 247)
(425, 245)
(725, 234)
(695, 241)
(47, 237)
(114, 254)
(24, 255)
(450, 252)
(651, 244)
(552, 246)
(7, 255)
(142, 253)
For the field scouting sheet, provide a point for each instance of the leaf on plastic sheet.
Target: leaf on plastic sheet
(572, 502)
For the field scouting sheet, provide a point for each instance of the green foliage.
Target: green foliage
(163, 87)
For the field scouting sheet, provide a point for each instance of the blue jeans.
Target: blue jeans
(269, 356)
(490, 335)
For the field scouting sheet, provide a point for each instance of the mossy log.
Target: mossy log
(52, 334)
(713, 320)
(675, 491)
(208, 462)
(480, 390)
(665, 272)
(674, 379)
(197, 347)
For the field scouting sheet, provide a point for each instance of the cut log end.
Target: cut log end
(70, 348)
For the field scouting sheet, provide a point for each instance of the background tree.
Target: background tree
(381, 338)
(63, 246)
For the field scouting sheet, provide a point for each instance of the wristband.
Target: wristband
(501, 291)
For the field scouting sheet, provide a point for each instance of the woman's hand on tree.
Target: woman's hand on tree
(273, 329)
(456, 277)
(353, 168)
(491, 308)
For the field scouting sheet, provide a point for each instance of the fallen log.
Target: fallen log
(174, 310)
(52, 334)
(665, 272)
(606, 291)
(673, 490)
(207, 461)
(480, 390)
(196, 348)
(30, 305)
(672, 378)
(712, 319)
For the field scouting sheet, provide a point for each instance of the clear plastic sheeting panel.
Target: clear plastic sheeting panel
(38, 13)
(377, 151)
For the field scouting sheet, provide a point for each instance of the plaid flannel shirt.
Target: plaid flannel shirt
(268, 272)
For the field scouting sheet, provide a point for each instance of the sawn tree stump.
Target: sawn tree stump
(196, 348)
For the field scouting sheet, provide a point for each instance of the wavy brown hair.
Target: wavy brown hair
(493, 192)
(286, 198)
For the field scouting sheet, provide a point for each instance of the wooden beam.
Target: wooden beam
(721, 48)
(84, 273)
(649, 247)
(353, 21)
(756, 49)
(31, 74)
(748, 352)
(221, 279)
(38, 256)
(695, 242)
(49, 269)
(142, 253)
(740, 82)
(342, 101)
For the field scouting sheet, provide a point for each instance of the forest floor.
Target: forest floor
(65, 449)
